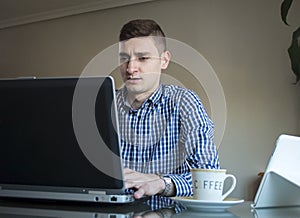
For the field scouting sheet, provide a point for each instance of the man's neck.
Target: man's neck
(136, 101)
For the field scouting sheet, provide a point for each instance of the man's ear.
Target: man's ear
(166, 57)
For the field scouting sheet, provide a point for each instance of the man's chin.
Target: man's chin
(133, 89)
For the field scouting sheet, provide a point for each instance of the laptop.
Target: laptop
(280, 185)
(59, 140)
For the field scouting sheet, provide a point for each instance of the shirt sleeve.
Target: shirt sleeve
(197, 137)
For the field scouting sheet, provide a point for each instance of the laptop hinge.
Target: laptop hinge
(97, 192)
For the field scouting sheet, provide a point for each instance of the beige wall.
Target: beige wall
(244, 41)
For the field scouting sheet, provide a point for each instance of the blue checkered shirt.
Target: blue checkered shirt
(167, 135)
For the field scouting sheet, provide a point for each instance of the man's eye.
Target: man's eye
(124, 59)
(143, 58)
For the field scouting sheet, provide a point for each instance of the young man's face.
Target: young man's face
(141, 65)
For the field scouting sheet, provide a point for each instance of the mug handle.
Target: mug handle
(232, 185)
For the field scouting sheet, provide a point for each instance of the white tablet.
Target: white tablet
(280, 185)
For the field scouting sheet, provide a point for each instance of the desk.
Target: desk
(22, 209)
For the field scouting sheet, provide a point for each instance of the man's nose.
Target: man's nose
(132, 66)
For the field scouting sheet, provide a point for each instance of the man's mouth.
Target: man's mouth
(133, 78)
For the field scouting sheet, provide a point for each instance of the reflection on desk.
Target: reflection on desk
(277, 212)
(155, 207)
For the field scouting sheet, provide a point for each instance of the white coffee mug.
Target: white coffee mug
(208, 184)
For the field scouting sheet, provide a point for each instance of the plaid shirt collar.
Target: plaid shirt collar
(152, 100)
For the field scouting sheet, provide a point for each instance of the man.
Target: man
(165, 129)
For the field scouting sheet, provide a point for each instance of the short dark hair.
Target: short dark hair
(142, 28)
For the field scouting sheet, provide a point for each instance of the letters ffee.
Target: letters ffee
(208, 184)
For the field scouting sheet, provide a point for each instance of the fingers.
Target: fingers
(128, 171)
(131, 175)
(131, 178)
(139, 193)
(132, 184)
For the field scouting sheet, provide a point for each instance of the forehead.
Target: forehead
(137, 45)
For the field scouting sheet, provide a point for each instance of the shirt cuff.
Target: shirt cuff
(183, 184)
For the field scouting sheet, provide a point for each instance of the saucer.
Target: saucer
(202, 205)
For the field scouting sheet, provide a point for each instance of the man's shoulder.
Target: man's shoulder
(173, 89)
(183, 97)
(178, 91)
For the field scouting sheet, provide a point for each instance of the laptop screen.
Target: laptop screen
(38, 146)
